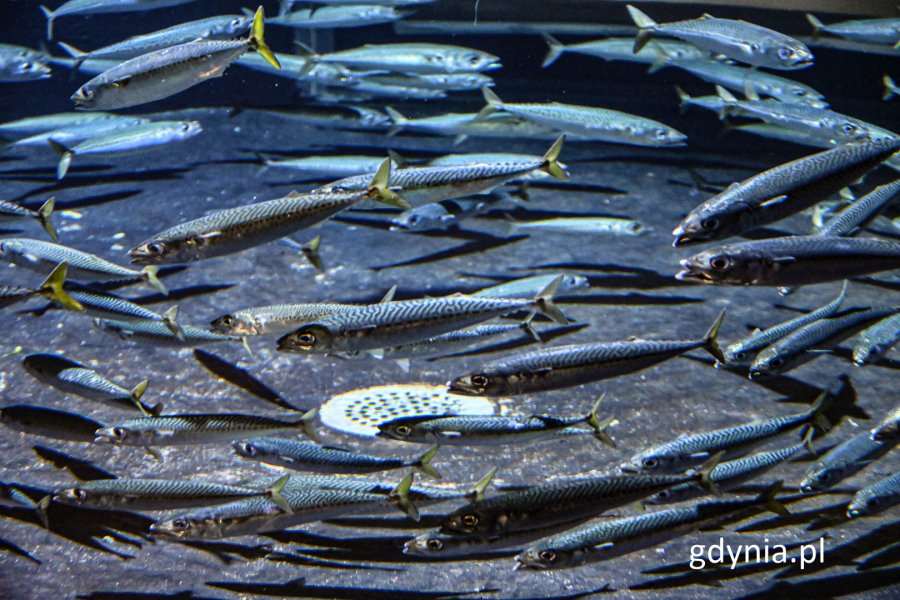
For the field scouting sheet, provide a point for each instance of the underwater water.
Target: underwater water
(109, 203)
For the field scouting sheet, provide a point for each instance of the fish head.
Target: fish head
(187, 129)
(848, 130)
(430, 544)
(469, 520)
(153, 252)
(648, 463)
(663, 136)
(735, 355)
(309, 338)
(30, 69)
(542, 559)
(709, 221)
(245, 448)
(72, 495)
(112, 435)
(410, 221)
(235, 27)
(85, 96)
(180, 526)
(725, 265)
(790, 55)
(866, 352)
(469, 60)
(770, 361)
(234, 325)
(478, 384)
(861, 507)
(819, 480)
(402, 429)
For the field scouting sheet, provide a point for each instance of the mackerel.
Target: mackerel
(876, 340)
(875, 498)
(844, 460)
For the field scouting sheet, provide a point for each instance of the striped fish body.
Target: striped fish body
(159, 74)
(861, 212)
(728, 476)
(782, 191)
(443, 344)
(53, 121)
(103, 306)
(431, 184)
(236, 229)
(75, 134)
(309, 456)
(612, 538)
(479, 430)
(567, 366)
(791, 261)
(151, 494)
(10, 211)
(798, 347)
(43, 257)
(802, 117)
(736, 79)
(873, 31)
(876, 340)
(158, 333)
(276, 318)
(73, 377)
(173, 430)
(548, 504)
(395, 323)
(844, 460)
(419, 494)
(137, 138)
(414, 58)
(875, 498)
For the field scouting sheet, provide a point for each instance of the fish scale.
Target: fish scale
(847, 458)
(82, 266)
(194, 429)
(277, 318)
(158, 332)
(737, 79)
(875, 498)
(876, 340)
(103, 306)
(151, 494)
(862, 211)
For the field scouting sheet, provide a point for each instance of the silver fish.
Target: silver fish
(863, 211)
(876, 340)
(874, 31)
(94, 7)
(53, 121)
(889, 427)
(464, 125)
(339, 16)
(413, 58)
(163, 332)
(437, 545)
(742, 41)
(844, 460)
(72, 134)
(875, 498)
(22, 64)
(439, 215)
(73, 377)
(526, 287)
(611, 49)
(14, 212)
(163, 73)
(276, 318)
(790, 261)
(587, 225)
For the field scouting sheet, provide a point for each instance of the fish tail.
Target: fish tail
(149, 275)
(43, 504)
(493, 103)
(662, 58)
(310, 250)
(52, 288)
(729, 100)
(769, 500)
(274, 491)
(704, 472)
(550, 162)
(816, 412)
(398, 121)
(65, 158)
(817, 25)
(307, 424)
(50, 17)
(683, 99)
(599, 426)
(644, 23)
(477, 493)
(137, 393)
(807, 441)
(378, 189)
(512, 226)
(711, 339)
(890, 88)
(527, 328)
(257, 39)
(401, 495)
(544, 302)
(423, 463)
(169, 319)
(43, 216)
(78, 55)
(556, 48)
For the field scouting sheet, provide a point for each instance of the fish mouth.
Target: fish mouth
(459, 390)
(691, 273)
(630, 470)
(756, 374)
(493, 65)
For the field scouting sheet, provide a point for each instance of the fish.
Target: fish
(612, 538)
(51, 288)
(13, 212)
(588, 122)
(566, 366)
(338, 117)
(155, 494)
(163, 73)
(872, 31)
(889, 427)
(742, 352)
(174, 430)
(261, 514)
(276, 318)
(432, 184)
(298, 68)
(43, 257)
(732, 474)
(790, 261)
(309, 456)
(165, 332)
(220, 27)
(22, 64)
(547, 504)
(77, 61)
(412, 58)
(876, 340)
(808, 342)
(588, 225)
(328, 166)
(233, 230)
(439, 215)
(72, 377)
(620, 48)
(73, 134)
(93, 7)
(875, 498)
(857, 215)
(437, 545)
(844, 460)
(475, 430)
(890, 88)
(465, 125)
(444, 82)
(782, 191)
(339, 16)
(402, 322)
(136, 138)
(742, 41)
(49, 422)
(53, 121)
(106, 306)
(529, 286)
(734, 442)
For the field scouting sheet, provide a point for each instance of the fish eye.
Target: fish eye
(180, 525)
(480, 381)
(798, 92)
(784, 53)
(185, 126)
(661, 134)
(119, 433)
(228, 320)
(547, 555)
(470, 520)
(719, 263)
(709, 224)
(156, 248)
(848, 128)
(307, 340)
(664, 494)
(872, 502)
(776, 362)
(403, 430)
(435, 544)
(474, 59)
(825, 476)
(649, 463)
(740, 355)
(236, 22)
(86, 93)
(27, 65)
(247, 449)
